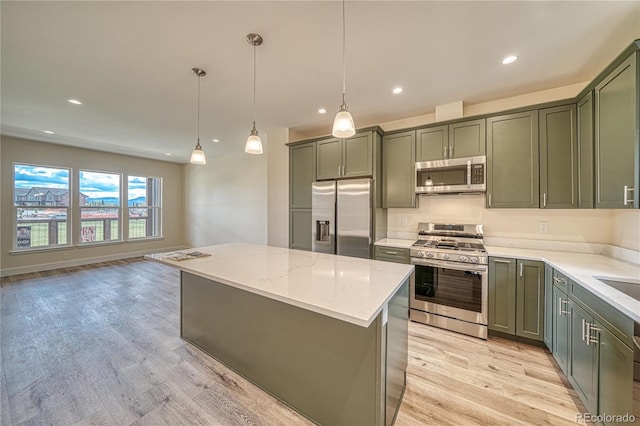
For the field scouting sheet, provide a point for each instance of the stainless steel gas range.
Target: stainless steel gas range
(451, 282)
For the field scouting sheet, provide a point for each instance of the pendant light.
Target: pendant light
(343, 126)
(254, 144)
(197, 156)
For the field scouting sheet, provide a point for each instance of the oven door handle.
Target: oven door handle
(467, 267)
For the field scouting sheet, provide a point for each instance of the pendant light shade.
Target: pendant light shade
(197, 156)
(254, 143)
(343, 125)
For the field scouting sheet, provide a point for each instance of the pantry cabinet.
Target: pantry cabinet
(302, 172)
(558, 158)
(398, 170)
(342, 158)
(513, 160)
(617, 144)
(516, 297)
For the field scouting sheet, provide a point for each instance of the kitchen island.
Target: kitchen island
(325, 334)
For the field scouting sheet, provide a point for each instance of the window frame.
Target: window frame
(69, 222)
(157, 208)
(119, 208)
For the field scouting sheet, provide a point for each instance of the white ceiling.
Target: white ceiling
(130, 64)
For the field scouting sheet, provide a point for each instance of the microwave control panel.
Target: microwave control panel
(477, 174)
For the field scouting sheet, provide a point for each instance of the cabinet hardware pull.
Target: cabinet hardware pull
(544, 199)
(587, 336)
(559, 280)
(501, 261)
(450, 151)
(583, 328)
(391, 252)
(560, 310)
(625, 197)
(469, 174)
(489, 200)
(593, 339)
(444, 151)
(521, 269)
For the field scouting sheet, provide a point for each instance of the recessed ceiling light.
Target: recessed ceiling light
(75, 102)
(397, 90)
(509, 59)
(322, 111)
(49, 132)
(167, 153)
(216, 140)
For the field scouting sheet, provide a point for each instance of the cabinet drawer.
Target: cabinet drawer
(391, 254)
(618, 323)
(560, 280)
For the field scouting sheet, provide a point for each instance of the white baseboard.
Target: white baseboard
(80, 262)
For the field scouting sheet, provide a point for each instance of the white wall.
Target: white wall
(48, 154)
(226, 200)
(278, 187)
(626, 229)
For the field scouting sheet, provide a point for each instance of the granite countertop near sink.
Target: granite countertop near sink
(583, 268)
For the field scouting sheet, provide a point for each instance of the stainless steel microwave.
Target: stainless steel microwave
(455, 175)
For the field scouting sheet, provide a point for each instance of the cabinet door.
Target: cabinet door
(358, 155)
(329, 159)
(432, 143)
(616, 122)
(300, 229)
(558, 158)
(302, 173)
(548, 307)
(512, 160)
(561, 328)
(502, 295)
(398, 170)
(530, 299)
(467, 139)
(615, 384)
(583, 366)
(585, 152)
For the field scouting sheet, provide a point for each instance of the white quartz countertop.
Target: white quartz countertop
(582, 268)
(346, 288)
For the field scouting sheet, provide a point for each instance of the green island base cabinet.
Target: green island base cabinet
(592, 344)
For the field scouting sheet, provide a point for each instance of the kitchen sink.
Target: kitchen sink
(628, 286)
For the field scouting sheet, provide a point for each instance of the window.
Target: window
(100, 207)
(144, 203)
(41, 202)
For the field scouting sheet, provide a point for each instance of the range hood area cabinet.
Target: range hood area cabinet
(617, 136)
(457, 140)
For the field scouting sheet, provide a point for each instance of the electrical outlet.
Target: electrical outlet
(543, 227)
(403, 222)
(65, 256)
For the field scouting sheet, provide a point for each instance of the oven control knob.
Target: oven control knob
(430, 254)
(445, 256)
(420, 254)
(462, 258)
(473, 259)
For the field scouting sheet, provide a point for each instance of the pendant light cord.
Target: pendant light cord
(344, 66)
(198, 109)
(254, 87)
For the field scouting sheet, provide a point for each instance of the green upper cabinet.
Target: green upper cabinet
(585, 151)
(530, 299)
(302, 172)
(398, 175)
(558, 158)
(464, 139)
(432, 143)
(351, 157)
(512, 160)
(616, 137)
(467, 139)
(329, 159)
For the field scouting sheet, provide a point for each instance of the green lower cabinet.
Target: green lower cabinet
(583, 363)
(615, 378)
(548, 307)
(300, 229)
(560, 329)
(391, 254)
(516, 297)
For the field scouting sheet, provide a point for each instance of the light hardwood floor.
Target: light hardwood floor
(100, 345)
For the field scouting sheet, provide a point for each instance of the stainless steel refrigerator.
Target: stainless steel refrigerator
(344, 217)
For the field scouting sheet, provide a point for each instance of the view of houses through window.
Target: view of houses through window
(43, 202)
